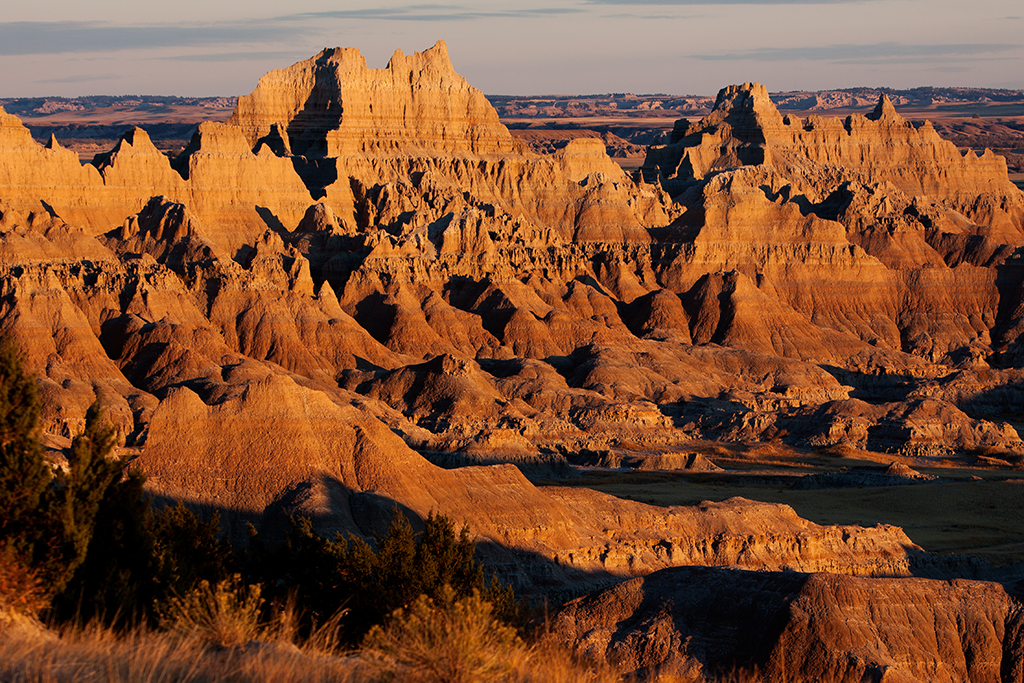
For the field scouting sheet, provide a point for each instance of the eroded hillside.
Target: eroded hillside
(362, 290)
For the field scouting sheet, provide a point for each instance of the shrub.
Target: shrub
(20, 590)
(81, 535)
(108, 554)
(346, 572)
(445, 640)
(139, 560)
(226, 614)
(25, 475)
(456, 640)
(187, 550)
(48, 520)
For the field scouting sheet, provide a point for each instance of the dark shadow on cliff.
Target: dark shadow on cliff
(726, 620)
(334, 508)
(1003, 403)
(316, 174)
(874, 389)
(707, 412)
(1010, 283)
(731, 620)
(320, 113)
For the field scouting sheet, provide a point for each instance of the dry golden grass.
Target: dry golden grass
(227, 614)
(20, 590)
(460, 641)
(35, 655)
(737, 675)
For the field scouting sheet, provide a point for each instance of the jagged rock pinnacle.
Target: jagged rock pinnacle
(884, 110)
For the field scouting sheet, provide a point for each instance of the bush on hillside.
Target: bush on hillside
(100, 520)
(188, 550)
(25, 479)
(85, 538)
(140, 561)
(445, 639)
(50, 516)
(460, 640)
(371, 581)
(21, 592)
(227, 614)
(86, 542)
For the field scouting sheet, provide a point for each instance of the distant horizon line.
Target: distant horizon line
(610, 94)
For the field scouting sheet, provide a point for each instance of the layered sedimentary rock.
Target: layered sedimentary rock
(362, 292)
(342, 466)
(745, 128)
(334, 106)
(361, 288)
(911, 220)
(751, 264)
(698, 623)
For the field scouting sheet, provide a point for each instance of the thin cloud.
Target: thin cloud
(433, 13)
(61, 37)
(948, 62)
(663, 3)
(81, 78)
(863, 54)
(634, 15)
(237, 56)
(950, 69)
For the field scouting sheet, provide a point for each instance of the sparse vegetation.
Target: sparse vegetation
(165, 598)
(102, 655)
(461, 641)
(328, 575)
(447, 640)
(227, 614)
(21, 592)
(24, 483)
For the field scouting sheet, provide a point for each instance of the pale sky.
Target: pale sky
(222, 47)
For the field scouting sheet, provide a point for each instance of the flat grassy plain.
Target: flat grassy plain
(977, 511)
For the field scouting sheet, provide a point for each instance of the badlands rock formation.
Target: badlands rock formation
(681, 625)
(361, 291)
(378, 238)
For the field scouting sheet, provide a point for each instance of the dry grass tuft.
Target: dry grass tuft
(217, 636)
(461, 642)
(551, 661)
(28, 655)
(21, 593)
(37, 656)
(455, 641)
(738, 674)
(225, 615)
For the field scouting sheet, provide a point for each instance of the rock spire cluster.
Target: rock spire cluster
(362, 290)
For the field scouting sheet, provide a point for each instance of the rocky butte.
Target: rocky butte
(362, 290)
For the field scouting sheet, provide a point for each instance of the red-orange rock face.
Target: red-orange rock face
(361, 290)
(435, 232)
(349, 220)
(696, 623)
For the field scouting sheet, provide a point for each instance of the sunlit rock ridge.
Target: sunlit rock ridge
(361, 290)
